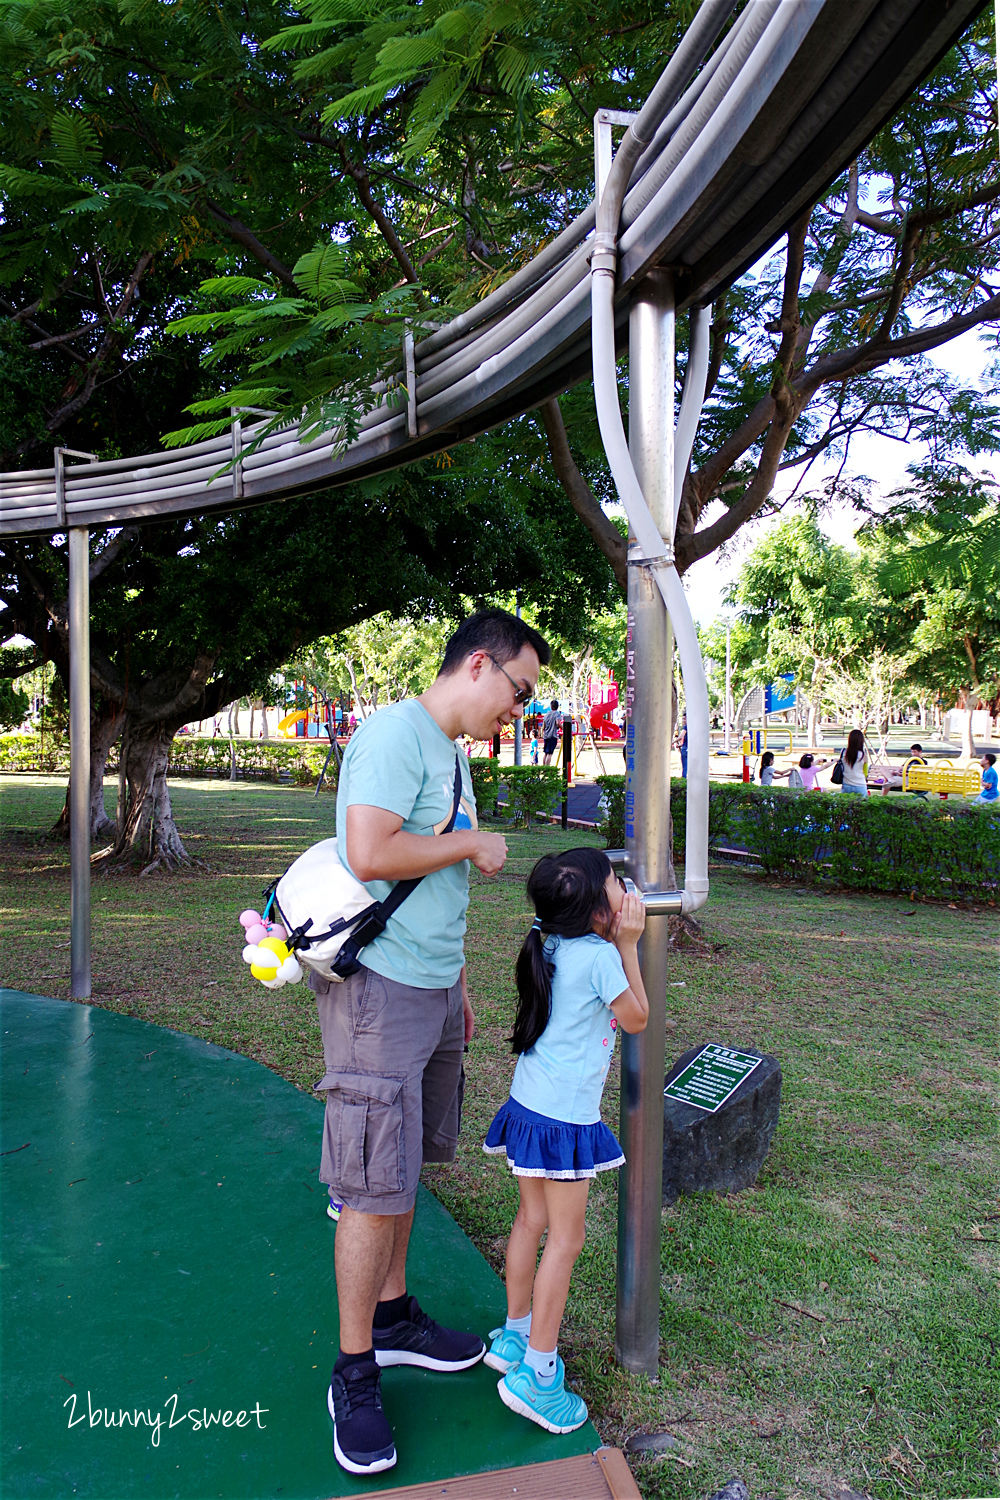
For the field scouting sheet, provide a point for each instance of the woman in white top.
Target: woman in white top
(856, 764)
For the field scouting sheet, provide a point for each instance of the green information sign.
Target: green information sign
(710, 1078)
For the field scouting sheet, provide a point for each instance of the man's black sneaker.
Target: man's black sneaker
(418, 1340)
(362, 1438)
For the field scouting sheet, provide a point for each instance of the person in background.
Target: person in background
(856, 763)
(809, 769)
(895, 782)
(990, 795)
(766, 773)
(682, 744)
(551, 725)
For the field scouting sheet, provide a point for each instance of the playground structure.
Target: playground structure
(321, 718)
(731, 145)
(603, 699)
(942, 777)
(289, 725)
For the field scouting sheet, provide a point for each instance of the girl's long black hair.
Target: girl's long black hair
(567, 891)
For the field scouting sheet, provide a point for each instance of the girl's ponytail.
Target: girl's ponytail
(534, 988)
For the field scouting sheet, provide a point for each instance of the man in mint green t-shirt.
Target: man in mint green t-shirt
(394, 1033)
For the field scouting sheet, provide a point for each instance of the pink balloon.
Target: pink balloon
(249, 918)
(276, 930)
(257, 934)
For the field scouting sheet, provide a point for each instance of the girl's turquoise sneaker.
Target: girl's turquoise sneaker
(553, 1407)
(506, 1349)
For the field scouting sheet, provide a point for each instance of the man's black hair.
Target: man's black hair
(988, 755)
(496, 632)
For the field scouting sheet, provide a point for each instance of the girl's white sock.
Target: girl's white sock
(519, 1325)
(542, 1365)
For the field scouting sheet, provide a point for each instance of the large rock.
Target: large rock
(721, 1152)
(734, 1489)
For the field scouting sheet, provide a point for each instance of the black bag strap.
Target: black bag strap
(404, 888)
(374, 921)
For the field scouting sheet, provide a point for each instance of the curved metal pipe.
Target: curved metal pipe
(707, 176)
(657, 555)
(692, 400)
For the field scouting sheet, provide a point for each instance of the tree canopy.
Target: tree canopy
(286, 188)
(911, 614)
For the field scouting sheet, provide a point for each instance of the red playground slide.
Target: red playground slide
(603, 701)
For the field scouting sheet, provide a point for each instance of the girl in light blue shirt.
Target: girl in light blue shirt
(577, 980)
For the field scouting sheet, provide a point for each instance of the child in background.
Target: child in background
(766, 773)
(809, 769)
(989, 795)
(577, 980)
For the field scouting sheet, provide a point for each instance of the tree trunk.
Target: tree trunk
(363, 707)
(265, 731)
(811, 723)
(105, 727)
(147, 833)
(966, 703)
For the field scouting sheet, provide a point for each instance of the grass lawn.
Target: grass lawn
(834, 1328)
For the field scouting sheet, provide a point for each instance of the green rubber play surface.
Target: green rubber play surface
(169, 1318)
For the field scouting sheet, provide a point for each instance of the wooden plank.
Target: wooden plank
(604, 1475)
(617, 1474)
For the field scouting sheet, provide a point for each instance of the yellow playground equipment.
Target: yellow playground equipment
(942, 777)
(286, 726)
(756, 740)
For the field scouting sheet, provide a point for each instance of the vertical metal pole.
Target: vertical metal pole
(79, 763)
(518, 724)
(647, 828)
(729, 693)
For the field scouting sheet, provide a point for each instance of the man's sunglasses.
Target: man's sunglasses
(522, 695)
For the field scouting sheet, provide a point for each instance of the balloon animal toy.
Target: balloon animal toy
(266, 951)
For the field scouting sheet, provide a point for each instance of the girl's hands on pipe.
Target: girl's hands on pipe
(627, 927)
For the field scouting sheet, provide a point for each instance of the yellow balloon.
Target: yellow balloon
(276, 946)
(268, 970)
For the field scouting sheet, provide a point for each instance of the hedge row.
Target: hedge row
(30, 752)
(908, 845)
(300, 761)
(526, 790)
